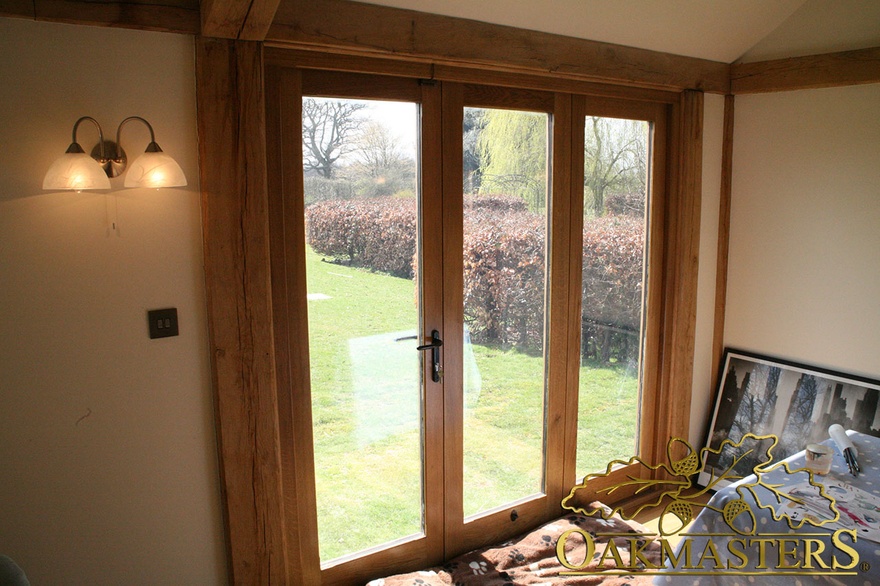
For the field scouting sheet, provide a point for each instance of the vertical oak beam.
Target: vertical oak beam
(575, 260)
(232, 149)
(682, 268)
(452, 114)
(723, 236)
(290, 315)
(558, 319)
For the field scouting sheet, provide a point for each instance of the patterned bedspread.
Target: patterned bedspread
(531, 558)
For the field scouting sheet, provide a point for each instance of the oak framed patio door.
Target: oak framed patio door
(424, 410)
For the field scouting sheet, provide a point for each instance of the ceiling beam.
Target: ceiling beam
(177, 16)
(379, 29)
(245, 20)
(368, 29)
(815, 71)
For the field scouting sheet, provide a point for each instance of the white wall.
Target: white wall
(108, 460)
(804, 277)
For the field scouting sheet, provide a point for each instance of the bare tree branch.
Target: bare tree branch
(328, 130)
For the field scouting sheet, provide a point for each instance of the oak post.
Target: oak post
(232, 149)
(682, 268)
(723, 237)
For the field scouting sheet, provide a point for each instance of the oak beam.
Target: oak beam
(815, 71)
(384, 30)
(17, 8)
(259, 20)
(235, 225)
(246, 20)
(176, 16)
(223, 18)
(722, 259)
(681, 270)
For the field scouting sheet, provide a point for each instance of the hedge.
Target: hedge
(504, 277)
(612, 288)
(504, 265)
(375, 233)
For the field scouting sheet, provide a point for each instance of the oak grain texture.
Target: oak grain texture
(246, 20)
(657, 295)
(381, 29)
(814, 71)
(722, 259)
(558, 291)
(681, 272)
(452, 117)
(232, 149)
(337, 59)
(290, 321)
(574, 260)
(178, 16)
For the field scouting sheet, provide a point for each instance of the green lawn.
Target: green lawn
(366, 413)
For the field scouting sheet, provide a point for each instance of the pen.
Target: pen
(851, 462)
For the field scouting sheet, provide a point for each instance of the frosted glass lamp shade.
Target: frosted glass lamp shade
(77, 171)
(154, 169)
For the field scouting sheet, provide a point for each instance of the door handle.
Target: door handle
(434, 347)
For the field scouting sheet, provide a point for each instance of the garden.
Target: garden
(361, 219)
(366, 409)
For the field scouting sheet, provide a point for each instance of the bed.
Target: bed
(531, 559)
(710, 524)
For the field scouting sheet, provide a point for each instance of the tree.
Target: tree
(328, 127)
(513, 155)
(382, 167)
(471, 128)
(378, 151)
(615, 157)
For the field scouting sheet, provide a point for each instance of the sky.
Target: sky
(401, 118)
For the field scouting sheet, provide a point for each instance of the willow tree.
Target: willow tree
(615, 159)
(513, 155)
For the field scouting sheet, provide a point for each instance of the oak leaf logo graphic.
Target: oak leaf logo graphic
(672, 482)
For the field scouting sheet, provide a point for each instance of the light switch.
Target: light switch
(162, 322)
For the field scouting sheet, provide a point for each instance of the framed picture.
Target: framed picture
(797, 403)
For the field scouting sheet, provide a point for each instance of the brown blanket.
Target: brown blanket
(531, 558)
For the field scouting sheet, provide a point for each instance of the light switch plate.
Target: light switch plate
(163, 322)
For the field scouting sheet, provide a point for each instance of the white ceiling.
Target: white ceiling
(718, 30)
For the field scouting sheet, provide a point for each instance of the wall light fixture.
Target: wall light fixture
(78, 171)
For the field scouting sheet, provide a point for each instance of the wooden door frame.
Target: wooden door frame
(285, 88)
(260, 495)
(510, 519)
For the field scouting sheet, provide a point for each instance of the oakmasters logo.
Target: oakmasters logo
(735, 545)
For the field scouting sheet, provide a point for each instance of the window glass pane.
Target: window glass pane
(359, 167)
(616, 155)
(505, 217)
